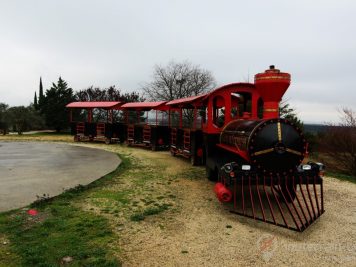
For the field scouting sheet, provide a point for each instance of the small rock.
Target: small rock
(4, 243)
(67, 259)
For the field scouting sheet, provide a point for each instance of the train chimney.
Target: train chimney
(271, 85)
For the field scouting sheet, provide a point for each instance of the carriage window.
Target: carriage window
(188, 118)
(201, 117)
(260, 108)
(235, 100)
(174, 119)
(134, 116)
(119, 116)
(219, 111)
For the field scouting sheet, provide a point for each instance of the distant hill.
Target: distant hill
(315, 128)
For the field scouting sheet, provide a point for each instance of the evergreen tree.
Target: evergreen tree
(54, 105)
(35, 104)
(41, 95)
(287, 112)
(4, 118)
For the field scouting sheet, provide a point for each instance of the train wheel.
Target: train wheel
(212, 175)
(153, 147)
(173, 153)
(107, 141)
(76, 138)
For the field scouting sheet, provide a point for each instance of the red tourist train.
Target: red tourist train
(236, 132)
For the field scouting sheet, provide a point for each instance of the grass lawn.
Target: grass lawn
(85, 223)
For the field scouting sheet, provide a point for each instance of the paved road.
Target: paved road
(35, 168)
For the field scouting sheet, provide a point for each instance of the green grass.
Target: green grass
(191, 173)
(61, 229)
(342, 176)
(140, 216)
(67, 231)
(121, 197)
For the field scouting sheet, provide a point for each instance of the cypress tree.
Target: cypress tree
(41, 96)
(35, 104)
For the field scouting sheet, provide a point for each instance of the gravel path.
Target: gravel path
(203, 233)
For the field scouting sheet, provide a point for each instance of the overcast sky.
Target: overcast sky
(116, 42)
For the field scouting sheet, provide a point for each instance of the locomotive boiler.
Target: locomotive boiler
(270, 145)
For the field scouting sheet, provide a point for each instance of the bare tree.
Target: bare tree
(339, 142)
(178, 80)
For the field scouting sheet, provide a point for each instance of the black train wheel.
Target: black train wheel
(212, 175)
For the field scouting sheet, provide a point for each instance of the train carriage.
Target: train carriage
(186, 128)
(147, 124)
(87, 129)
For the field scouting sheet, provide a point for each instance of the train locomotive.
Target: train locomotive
(254, 156)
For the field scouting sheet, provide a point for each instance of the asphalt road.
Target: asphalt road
(35, 168)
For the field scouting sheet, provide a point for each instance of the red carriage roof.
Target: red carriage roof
(185, 100)
(94, 104)
(144, 105)
(226, 86)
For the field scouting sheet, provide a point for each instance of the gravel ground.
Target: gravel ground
(202, 233)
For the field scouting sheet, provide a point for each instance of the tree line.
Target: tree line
(48, 110)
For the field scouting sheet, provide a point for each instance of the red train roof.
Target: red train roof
(186, 100)
(94, 104)
(226, 86)
(144, 105)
